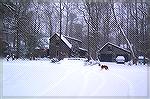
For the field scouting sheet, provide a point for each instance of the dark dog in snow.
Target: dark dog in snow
(103, 67)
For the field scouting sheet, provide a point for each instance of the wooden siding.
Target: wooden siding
(109, 52)
(55, 49)
(66, 49)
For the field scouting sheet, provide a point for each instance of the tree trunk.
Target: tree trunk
(121, 30)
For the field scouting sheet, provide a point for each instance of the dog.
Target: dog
(104, 67)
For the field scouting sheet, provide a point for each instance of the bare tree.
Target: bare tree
(121, 30)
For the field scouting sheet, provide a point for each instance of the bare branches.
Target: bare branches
(112, 7)
(9, 7)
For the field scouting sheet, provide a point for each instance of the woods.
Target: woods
(25, 25)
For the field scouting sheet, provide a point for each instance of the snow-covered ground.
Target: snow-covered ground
(73, 78)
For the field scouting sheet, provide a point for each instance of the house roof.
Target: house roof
(83, 49)
(64, 40)
(108, 43)
(72, 38)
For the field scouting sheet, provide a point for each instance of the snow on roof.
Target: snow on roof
(73, 38)
(120, 58)
(114, 46)
(82, 49)
(65, 40)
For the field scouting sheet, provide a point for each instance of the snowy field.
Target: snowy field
(73, 78)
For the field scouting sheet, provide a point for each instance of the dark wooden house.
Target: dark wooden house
(65, 47)
(109, 52)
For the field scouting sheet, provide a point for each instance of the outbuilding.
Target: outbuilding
(110, 51)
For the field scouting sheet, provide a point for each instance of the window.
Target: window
(57, 53)
(109, 48)
(57, 44)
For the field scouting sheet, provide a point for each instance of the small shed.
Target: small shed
(110, 51)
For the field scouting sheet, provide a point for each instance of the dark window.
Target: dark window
(57, 44)
(109, 48)
(57, 53)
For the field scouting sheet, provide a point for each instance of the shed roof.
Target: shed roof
(109, 43)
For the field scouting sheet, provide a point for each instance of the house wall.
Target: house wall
(40, 53)
(55, 49)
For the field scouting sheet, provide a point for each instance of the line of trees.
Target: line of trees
(124, 23)
(24, 24)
